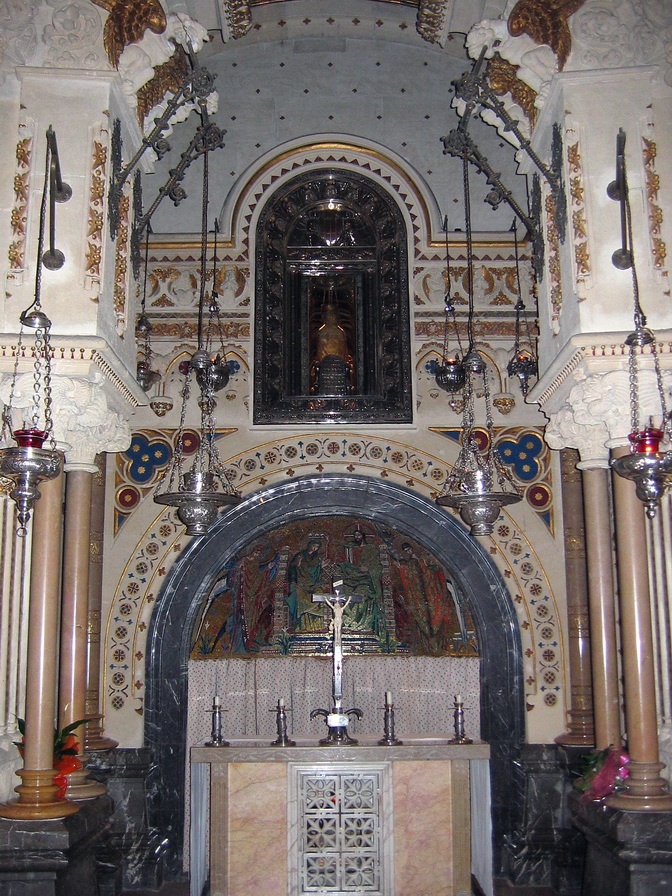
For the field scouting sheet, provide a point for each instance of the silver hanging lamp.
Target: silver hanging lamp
(646, 465)
(199, 493)
(479, 484)
(449, 371)
(523, 363)
(28, 463)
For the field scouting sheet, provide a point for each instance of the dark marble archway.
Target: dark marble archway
(502, 701)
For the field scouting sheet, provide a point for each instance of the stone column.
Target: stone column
(646, 790)
(580, 730)
(94, 736)
(74, 618)
(602, 605)
(37, 792)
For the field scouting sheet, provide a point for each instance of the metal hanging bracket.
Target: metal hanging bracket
(617, 190)
(53, 259)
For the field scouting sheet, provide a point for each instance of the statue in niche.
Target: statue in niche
(332, 371)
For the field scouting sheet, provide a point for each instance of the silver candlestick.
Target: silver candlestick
(216, 739)
(389, 739)
(458, 721)
(282, 739)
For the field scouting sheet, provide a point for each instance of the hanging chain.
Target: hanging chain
(470, 258)
(640, 322)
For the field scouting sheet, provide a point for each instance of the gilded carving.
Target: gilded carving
(121, 263)
(167, 78)
(503, 78)
(238, 17)
(545, 21)
(655, 212)
(553, 252)
(96, 218)
(127, 22)
(579, 221)
(19, 213)
(431, 21)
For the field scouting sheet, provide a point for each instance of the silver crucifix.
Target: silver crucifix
(337, 719)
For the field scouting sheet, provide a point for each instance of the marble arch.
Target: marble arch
(177, 606)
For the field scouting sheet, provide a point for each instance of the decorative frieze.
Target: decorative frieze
(553, 261)
(96, 213)
(579, 221)
(654, 210)
(19, 214)
(121, 268)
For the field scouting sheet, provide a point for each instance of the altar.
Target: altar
(308, 819)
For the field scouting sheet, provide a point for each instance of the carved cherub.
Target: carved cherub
(127, 22)
(545, 21)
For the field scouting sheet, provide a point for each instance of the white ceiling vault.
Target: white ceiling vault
(359, 70)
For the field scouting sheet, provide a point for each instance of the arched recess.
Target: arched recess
(332, 317)
(178, 606)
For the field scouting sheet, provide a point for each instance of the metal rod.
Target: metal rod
(53, 258)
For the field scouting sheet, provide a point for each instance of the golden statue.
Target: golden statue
(332, 343)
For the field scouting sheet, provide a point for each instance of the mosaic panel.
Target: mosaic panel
(261, 602)
(304, 455)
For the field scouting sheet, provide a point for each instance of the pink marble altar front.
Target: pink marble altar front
(255, 828)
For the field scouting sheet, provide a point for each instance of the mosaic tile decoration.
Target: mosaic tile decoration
(303, 455)
(261, 601)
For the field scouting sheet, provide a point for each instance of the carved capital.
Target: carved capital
(596, 414)
(84, 422)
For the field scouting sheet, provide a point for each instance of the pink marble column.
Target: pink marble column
(646, 790)
(37, 792)
(74, 621)
(94, 736)
(602, 606)
(580, 729)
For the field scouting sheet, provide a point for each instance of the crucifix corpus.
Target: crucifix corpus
(337, 718)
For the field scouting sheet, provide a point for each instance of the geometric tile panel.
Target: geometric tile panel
(340, 830)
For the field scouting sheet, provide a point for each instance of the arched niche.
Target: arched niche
(180, 602)
(332, 338)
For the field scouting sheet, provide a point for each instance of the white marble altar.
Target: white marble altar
(248, 830)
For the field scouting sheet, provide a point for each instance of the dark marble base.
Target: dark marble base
(134, 854)
(54, 858)
(543, 849)
(629, 853)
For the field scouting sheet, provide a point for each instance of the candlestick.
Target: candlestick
(282, 739)
(216, 739)
(389, 739)
(458, 721)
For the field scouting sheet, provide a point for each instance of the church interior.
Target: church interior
(335, 375)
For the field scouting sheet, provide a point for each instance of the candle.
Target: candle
(458, 698)
(215, 700)
(388, 698)
(281, 703)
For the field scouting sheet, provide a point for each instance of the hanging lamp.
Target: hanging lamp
(647, 466)
(28, 463)
(449, 372)
(523, 363)
(199, 493)
(479, 484)
(145, 376)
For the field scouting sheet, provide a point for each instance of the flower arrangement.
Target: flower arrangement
(66, 748)
(603, 772)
